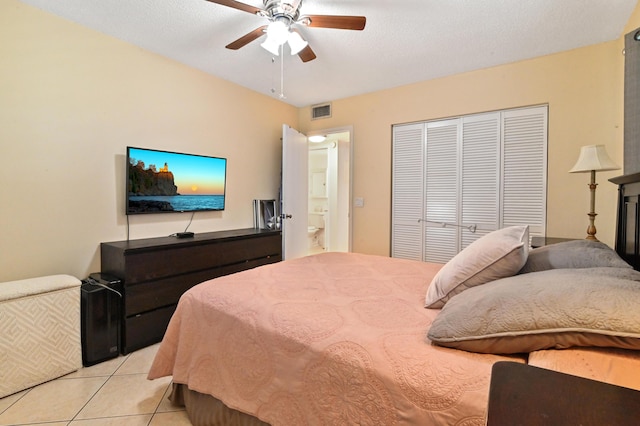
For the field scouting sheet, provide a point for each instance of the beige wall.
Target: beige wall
(584, 91)
(71, 100)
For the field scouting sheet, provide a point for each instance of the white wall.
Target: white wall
(584, 91)
(71, 100)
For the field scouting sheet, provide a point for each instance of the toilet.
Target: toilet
(312, 234)
(315, 229)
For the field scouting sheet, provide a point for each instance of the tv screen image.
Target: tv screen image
(164, 181)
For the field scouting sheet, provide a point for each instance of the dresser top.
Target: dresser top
(198, 238)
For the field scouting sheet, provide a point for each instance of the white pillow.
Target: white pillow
(499, 254)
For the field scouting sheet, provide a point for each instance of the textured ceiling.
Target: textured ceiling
(405, 41)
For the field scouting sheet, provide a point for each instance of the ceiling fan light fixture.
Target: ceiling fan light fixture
(271, 46)
(282, 15)
(296, 42)
(278, 31)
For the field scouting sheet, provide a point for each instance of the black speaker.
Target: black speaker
(101, 307)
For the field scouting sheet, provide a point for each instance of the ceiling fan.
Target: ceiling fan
(283, 15)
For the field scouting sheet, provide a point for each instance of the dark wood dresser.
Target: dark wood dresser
(628, 222)
(157, 271)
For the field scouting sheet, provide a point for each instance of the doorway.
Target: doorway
(329, 181)
(315, 207)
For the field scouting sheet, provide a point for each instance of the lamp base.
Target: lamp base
(591, 230)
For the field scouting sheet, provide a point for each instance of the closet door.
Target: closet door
(441, 192)
(524, 193)
(459, 179)
(480, 171)
(407, 192)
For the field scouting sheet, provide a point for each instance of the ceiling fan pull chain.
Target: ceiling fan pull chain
(273, 75)
(282, 96)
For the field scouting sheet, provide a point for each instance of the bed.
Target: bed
(346, 338)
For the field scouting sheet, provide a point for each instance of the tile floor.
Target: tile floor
(115, 392)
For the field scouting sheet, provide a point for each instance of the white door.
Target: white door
(295, 187)
(459, 179)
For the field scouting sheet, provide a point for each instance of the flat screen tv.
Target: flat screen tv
(164, 181)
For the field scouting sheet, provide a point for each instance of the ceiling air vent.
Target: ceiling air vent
(320, 111)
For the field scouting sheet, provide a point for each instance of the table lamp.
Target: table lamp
(593, 158)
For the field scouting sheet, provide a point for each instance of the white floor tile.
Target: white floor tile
(55, 401)
(106, 368)
(112, 393)
(138, 361)
(8, 401)
(166, 405)
(126, 395)
(142, 420)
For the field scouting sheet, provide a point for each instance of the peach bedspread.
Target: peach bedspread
(335, 338)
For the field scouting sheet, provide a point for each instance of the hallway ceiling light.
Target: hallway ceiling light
(317, 138)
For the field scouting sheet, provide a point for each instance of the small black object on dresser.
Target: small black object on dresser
(157, 271)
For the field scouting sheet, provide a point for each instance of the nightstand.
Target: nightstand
(521, 394)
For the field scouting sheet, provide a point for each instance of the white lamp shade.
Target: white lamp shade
(593, 157)
(278, 32)
(270, 45)
(296, 42)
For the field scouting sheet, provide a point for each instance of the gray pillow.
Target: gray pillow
(572, 254)
(559, 308)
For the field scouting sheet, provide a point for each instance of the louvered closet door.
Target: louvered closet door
(406, 230)
(525, 168)
(480, 184)
(441, 191)
(487, 170)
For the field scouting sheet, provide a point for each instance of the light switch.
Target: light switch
(359, 202)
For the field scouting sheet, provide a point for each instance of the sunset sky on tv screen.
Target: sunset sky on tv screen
(193, 174)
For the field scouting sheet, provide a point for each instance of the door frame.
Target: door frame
(343, 129)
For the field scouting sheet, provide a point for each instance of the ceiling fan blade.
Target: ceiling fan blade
(338, 22)
(307, 54)
(237, 5)
(247, 38)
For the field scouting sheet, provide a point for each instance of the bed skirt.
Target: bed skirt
(205, 410)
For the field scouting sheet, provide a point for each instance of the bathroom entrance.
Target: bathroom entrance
(315, 206)
(329, 180)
